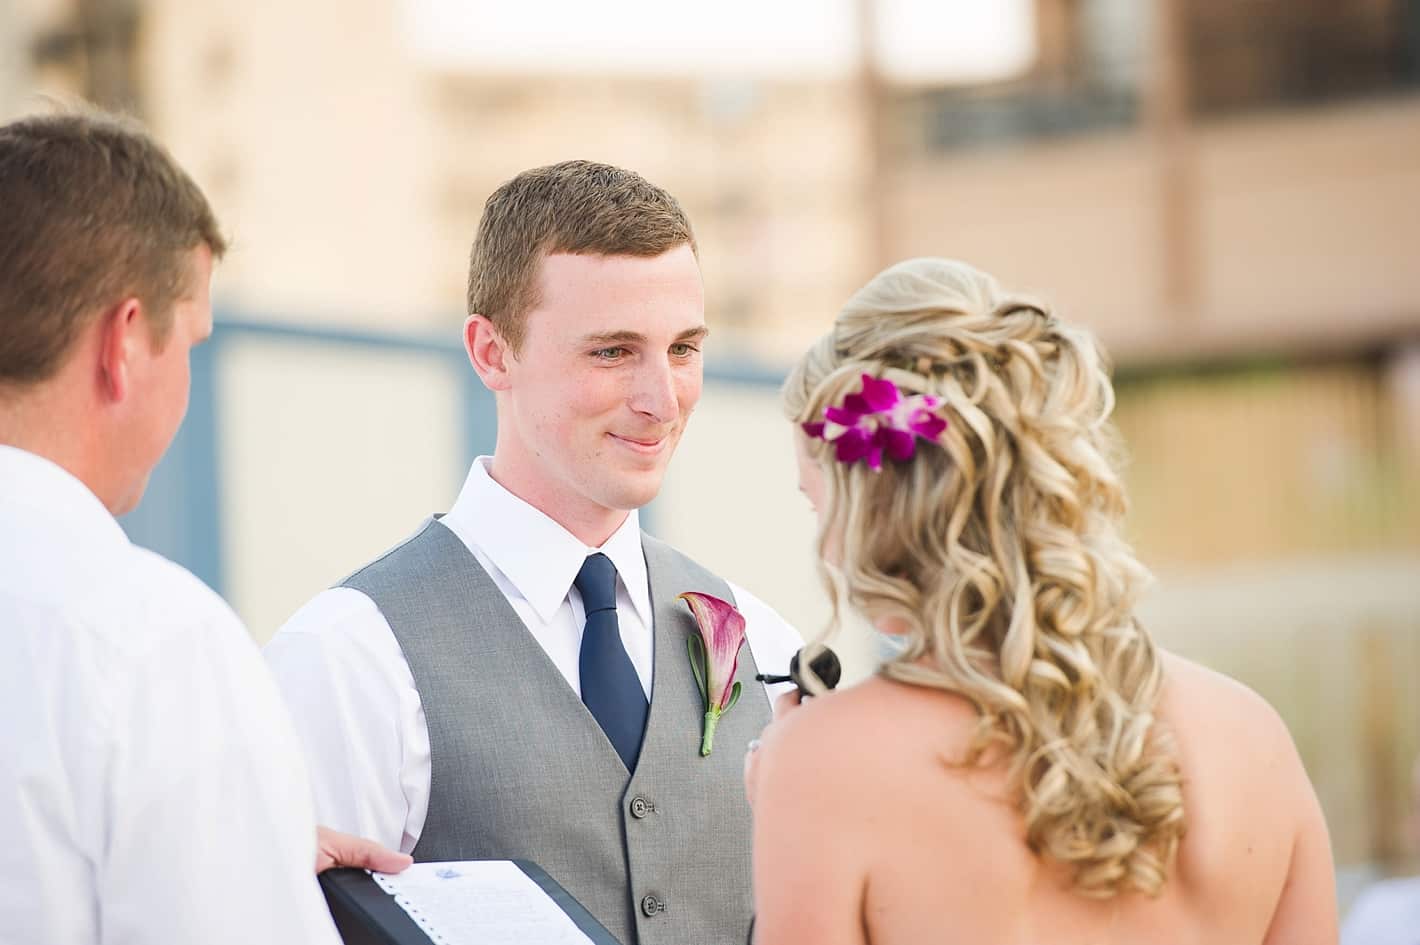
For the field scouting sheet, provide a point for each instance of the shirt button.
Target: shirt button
(651, 906)
(640, 807)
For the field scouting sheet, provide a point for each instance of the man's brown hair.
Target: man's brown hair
(92, 211)
(573, 207)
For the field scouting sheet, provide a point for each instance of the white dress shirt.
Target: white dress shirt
(353, 696)
(151, 788)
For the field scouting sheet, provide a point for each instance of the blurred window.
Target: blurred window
(1093, 59)
(1269, 53)
(1089, 67)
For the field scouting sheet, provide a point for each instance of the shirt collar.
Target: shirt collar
(29, 480)
(535, 553)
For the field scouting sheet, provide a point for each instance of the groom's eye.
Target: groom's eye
(609, 354)
(683, 350)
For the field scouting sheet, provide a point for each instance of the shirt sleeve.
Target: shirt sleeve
(771, 639)
(358, 717)
(209, 835)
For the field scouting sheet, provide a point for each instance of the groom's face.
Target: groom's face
(608, 374)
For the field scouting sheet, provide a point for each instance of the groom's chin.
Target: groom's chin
(633, 490)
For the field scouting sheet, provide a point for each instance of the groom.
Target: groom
(513, 681)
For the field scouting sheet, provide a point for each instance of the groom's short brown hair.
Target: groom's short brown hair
(574, 207)
(92, 211)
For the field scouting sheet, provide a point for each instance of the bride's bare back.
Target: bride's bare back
(863, 834)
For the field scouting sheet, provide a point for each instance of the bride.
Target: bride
(1029, 767)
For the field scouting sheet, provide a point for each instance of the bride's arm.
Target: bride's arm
(1306, 911)
(810, 847)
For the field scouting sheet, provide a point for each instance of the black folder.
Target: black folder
(367, 915)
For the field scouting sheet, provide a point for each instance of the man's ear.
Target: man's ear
(123, 331)
(488, 352)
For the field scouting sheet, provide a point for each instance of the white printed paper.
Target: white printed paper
(481, 902)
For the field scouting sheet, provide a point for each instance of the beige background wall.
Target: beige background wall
(331, 454)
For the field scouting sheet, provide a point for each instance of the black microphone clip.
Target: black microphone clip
(825, 666)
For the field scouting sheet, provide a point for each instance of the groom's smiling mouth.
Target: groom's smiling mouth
(646, 445)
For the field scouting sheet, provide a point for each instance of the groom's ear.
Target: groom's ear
(487, 351)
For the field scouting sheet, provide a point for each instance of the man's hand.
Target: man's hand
(785, 704)
(341, 849)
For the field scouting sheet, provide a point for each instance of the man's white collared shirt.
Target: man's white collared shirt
(151, 789)
(353, 696)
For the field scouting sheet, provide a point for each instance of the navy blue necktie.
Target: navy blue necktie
(610, 687)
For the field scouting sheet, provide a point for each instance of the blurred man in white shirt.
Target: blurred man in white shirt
(151, 788)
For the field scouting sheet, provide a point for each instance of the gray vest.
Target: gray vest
(520, 768)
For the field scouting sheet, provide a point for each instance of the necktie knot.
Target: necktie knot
(596, 582)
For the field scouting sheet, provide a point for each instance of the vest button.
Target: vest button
(651, 906)
(640, 807)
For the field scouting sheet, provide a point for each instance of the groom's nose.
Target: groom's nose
(654, 392)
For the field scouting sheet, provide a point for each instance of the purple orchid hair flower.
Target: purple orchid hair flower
(877, 420)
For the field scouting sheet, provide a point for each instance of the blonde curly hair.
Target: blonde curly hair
(1000, 551)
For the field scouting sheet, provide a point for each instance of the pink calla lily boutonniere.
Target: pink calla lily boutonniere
(714, 655)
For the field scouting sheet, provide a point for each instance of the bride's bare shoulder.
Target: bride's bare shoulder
(863, 733)
(860, 711)
(1199, 702)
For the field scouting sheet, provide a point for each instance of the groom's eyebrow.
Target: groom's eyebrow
(635, 337)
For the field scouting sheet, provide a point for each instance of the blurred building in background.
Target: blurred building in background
(1229, 194)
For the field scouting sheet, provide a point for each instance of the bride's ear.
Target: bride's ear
(488, 352)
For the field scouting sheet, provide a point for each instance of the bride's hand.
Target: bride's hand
(785, 704)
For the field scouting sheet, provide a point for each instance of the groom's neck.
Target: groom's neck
(589, 522)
